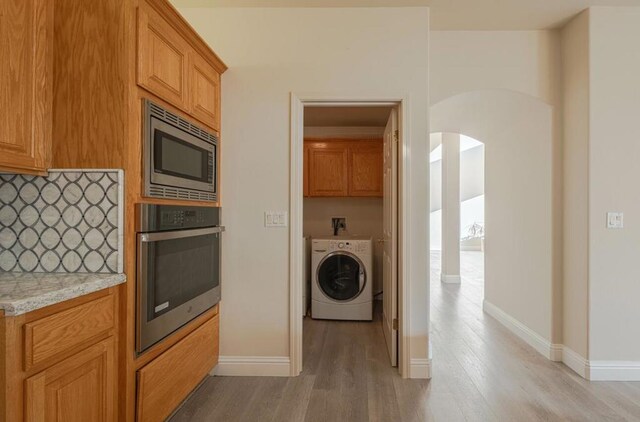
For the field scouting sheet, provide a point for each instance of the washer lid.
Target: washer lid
(341, 276)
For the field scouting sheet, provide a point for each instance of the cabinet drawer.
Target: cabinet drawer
(166, 381)
(54, 335)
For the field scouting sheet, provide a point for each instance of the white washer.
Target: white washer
(342, 278)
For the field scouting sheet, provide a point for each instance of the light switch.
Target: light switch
(275, 219)
(615, 220)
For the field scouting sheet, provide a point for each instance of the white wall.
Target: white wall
(523, 61)
(364, 218)
(527, 62)
(602, 105)
(272, 52)
(575, 47)
(517, 132)
(614, 177)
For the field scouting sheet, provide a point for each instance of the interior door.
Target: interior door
(389, 253)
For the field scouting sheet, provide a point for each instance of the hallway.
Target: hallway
(486, 373)
(481, 372)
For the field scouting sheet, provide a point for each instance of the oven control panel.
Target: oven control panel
(182, 218)
(153, 218)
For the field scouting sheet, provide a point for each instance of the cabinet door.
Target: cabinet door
(80, 388)
(162, 58)
(26, 47)
(365, 165)
(305, 171)
(205, 92)
(328, 169)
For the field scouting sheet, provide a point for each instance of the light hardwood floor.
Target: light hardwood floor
(481, 372)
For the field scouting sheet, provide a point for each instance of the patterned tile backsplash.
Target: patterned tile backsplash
(69, 221)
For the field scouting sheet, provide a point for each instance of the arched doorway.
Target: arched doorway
(521, 282)
(457, 211)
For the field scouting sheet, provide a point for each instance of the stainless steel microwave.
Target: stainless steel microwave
(179, 157)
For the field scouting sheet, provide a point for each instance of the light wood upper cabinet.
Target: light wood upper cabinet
(343, 168)
(26, 49)
(305, 170)
(163, 57)
(80, 388)
(171, 67)
(205, 92)
(365, 166)
(328, 169)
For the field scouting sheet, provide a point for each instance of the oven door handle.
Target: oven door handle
(179, 234)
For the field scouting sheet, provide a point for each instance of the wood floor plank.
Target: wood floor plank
(264, 403)
(481, 372)
(295, 399)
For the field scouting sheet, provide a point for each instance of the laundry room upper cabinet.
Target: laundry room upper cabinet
(26, 52)
(343, 168)
(171, 67)
(328, 169)
(365, 166)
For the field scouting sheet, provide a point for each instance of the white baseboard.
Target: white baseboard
(471, 248)
(420, 368)
(576, 362)
(533, 339)
(253, 366)
(450, 279)
(591, 370)
(601, 370)
(556, 352)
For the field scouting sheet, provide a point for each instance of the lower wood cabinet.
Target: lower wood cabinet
(167, 380)
(340, 168)
(59, 363)
(79, 388)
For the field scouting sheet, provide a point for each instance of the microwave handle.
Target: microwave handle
(179, 234)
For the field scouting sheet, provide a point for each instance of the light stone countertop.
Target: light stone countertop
(25, 292)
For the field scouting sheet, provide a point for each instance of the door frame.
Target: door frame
(296, 247)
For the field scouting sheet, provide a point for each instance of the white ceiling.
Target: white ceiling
(452, 14)
(346, 116)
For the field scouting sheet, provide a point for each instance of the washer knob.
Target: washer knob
(340, 245)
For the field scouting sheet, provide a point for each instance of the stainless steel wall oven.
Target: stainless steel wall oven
(178, 277)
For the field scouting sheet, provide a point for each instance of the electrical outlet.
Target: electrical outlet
(275, 219)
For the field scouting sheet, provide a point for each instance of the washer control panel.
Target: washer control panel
(349, 246)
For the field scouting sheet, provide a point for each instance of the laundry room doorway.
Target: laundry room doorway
(346, 254)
